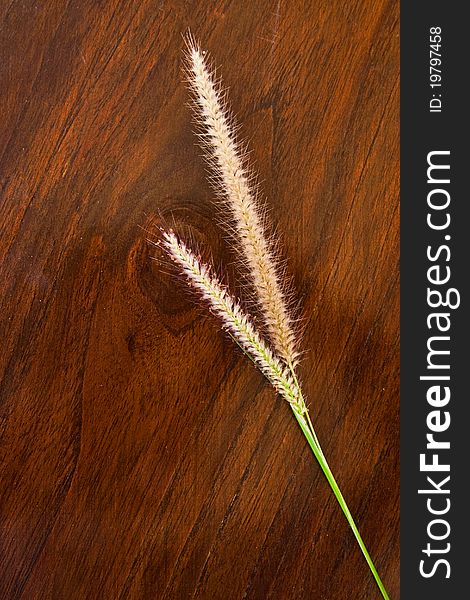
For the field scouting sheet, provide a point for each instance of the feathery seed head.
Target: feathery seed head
(234, 185)
(233, 318)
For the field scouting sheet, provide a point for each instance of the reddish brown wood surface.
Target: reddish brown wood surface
(141, 455)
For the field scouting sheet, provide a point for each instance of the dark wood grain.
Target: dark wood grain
(142, 456)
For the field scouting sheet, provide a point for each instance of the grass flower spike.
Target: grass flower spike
(233, 319)
(235, 187)
(276, 360)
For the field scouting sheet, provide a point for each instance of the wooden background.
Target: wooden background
(142, 456)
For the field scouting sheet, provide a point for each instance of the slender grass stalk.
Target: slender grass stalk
(309, 433)
(243, 332)
(235, 187)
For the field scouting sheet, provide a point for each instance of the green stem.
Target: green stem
(306, 413)
(311, 438)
